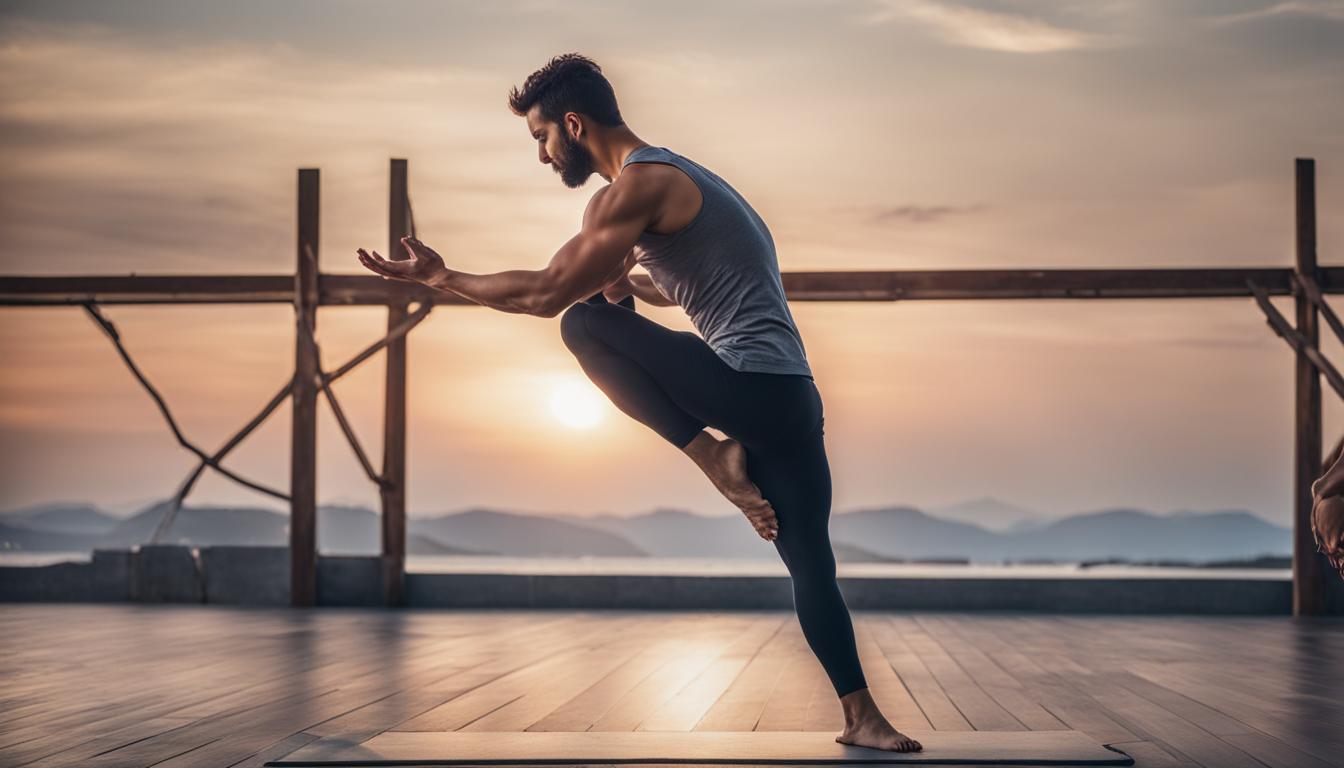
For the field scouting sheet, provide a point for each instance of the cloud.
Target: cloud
(909, 213)
(921, 214)
(1327, 11)
(989, 30)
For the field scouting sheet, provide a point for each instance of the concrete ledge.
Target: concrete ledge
(48, 583)
(166, 573)
(245, 575)
(1129, 595)
(110, 571)
(349, 580)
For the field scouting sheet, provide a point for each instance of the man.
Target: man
(1327, 509)
(709, 251)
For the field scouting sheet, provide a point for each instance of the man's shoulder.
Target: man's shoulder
(639, 187)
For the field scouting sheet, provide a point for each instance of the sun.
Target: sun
(578, 404)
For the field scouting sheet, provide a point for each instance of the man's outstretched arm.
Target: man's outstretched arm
(587, 263)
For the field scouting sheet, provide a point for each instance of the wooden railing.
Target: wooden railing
(309, 289)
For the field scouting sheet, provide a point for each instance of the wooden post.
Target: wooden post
(303, 436)
(394, 406)
(1308, 577)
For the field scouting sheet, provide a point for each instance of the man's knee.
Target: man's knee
(814, 567)
(573, 329)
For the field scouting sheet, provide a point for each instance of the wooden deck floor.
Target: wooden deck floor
(175, 685)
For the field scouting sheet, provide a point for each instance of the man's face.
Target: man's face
(567, 156)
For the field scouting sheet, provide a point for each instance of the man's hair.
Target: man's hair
(569, 82)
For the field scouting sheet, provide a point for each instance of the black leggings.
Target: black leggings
(673, 382)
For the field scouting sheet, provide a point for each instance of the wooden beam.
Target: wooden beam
(1298, 342)
(877, 285)
(393, 490)
(24, 290)
(905, 285)
(1308, 572)
(303, 435)
(1313, 292)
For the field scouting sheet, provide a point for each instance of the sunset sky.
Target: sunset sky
(164, 137)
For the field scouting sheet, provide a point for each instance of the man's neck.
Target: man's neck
(617, 146)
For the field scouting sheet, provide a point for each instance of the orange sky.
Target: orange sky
(161, 138)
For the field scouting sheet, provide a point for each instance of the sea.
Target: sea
(690, 566)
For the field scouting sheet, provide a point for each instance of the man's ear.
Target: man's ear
(572, 119)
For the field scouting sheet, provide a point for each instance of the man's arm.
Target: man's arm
(641, 286)
(649, 293)
(615, 217)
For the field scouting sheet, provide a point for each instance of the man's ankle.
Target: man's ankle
(699, 445)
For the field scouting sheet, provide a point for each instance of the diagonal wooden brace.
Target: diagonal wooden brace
(1295, 340)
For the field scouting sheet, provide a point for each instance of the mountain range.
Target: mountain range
(894, 533)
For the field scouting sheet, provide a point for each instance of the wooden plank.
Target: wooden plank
(751, 747)
(222, 687)
(1001, 687)
(1298, 342)
(979, 709)
(655, 690)
(884, 685)
(907, 285)
(215, 686)
(786, 708)
(687, 708)
(1073, 708)
(740, 707)
(303, 403)
(235, 736)
(506, 688)
(1267, 749)
(392, 495)
(581, 711)
(921, 683)
(543, 694)
(33, 290)
(1313, 729)
(836, 285)
(1308, 567)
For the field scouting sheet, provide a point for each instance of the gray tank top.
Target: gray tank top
(722, 269)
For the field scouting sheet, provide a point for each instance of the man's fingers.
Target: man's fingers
(371, 262)
(391, 270)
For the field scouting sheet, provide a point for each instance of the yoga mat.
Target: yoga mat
(748, 747)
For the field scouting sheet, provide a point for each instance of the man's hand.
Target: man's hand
(618, 285)
(423, 266)
(618, 289)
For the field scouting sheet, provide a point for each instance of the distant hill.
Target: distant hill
(28, 540)
(1139, 534)
(990, 514)
(340, 530)
(521, 535)
(863, 535)
(667, 532)
(62, 517)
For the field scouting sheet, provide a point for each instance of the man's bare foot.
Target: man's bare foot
(877, 733)
(724, 462)
(866, 726)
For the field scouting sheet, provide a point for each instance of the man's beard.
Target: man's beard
(577, 162)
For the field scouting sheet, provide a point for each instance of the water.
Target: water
(689, 566)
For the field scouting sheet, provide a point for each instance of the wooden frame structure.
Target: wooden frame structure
(308, 289)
